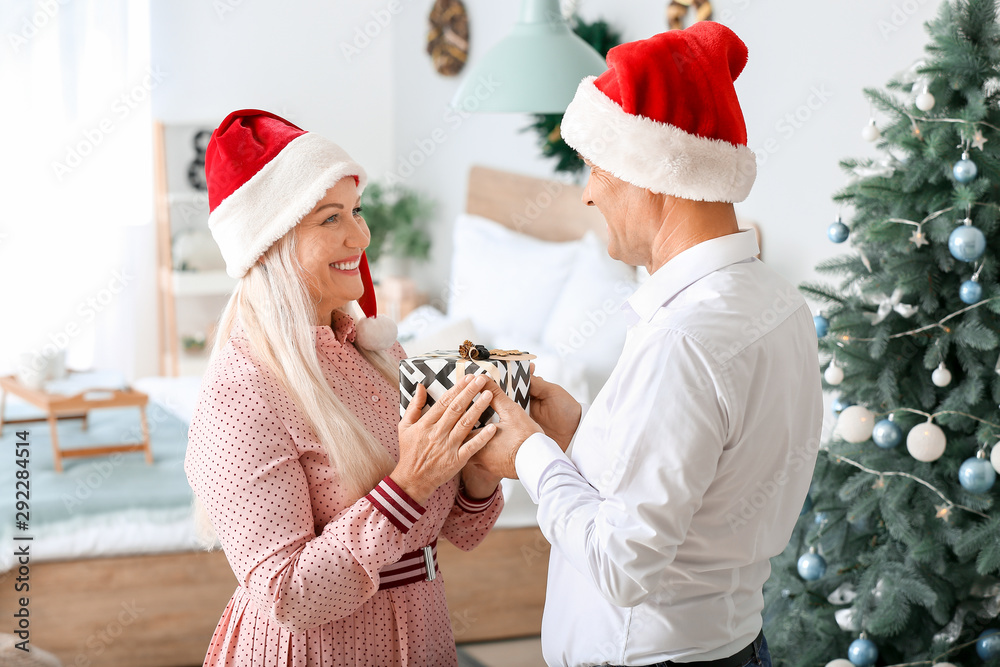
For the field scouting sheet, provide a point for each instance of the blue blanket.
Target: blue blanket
(94, 485)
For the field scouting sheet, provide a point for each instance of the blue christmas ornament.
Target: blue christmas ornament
(965, 169)
(862, 652)
(886, 434)
(807, 505)
(977, 475)
(967, 243)
(988, 644)
(861, 524)
(838, 232)
(822, 325)
(970, 292)
(840, 404)
(811, 566)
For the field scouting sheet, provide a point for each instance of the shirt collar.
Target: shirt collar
(688, 267)
(333, 337)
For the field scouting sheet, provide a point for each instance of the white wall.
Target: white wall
(387, 101)
(796, 49)
(285, 57)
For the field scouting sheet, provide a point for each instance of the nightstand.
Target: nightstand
(397, 297)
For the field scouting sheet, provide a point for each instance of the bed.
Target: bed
(116, 578)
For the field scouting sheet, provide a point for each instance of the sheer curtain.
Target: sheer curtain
(76, 235)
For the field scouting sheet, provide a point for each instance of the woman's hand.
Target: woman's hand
(434, 448)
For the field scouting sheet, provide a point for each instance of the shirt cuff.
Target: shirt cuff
(475, 505)
(536, 455)
(389, 499)
(583, 413)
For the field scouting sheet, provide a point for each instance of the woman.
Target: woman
(323, 499)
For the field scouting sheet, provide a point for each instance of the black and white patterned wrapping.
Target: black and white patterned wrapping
(439, 371)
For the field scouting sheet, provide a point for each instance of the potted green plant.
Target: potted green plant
(397, 218)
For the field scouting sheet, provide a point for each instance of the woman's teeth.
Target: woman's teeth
(346, 266)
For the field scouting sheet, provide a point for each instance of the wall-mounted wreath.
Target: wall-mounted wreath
(602, 37)
(677, 11)
(448, 37)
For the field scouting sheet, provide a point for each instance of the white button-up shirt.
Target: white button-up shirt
(689, 470)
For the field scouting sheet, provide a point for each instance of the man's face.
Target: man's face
(632, 214)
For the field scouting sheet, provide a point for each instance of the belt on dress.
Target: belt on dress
(419, 565)
(738, 659)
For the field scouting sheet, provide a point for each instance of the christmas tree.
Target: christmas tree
(896, 557)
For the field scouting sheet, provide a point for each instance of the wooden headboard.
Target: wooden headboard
(544, 209)
(547, 210)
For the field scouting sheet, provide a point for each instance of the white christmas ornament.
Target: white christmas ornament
(833, 374)
(844, 594)
(891, 303)
(879, 590)
(883, 168)
(926, 442)
(944, 664)
(840, 662)
(925, 101)
(871, 133)
(995, 457)
(855, 424)
(845, 619)
(941, 377)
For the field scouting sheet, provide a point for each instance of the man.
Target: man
(690, 468)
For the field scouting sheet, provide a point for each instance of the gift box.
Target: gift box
(438, 371)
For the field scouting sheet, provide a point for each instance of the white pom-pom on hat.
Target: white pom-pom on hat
(376, 333)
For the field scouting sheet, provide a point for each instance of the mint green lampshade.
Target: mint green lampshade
(535, 69)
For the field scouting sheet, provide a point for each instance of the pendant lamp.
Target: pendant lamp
(534, 69)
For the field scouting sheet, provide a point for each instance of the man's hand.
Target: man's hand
(554, 410)
(514, 428)
(478, 481)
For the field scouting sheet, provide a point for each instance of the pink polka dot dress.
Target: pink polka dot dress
(324, 579)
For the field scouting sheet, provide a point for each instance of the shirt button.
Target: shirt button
(374, 398)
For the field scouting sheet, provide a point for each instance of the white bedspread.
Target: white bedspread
(126, 533)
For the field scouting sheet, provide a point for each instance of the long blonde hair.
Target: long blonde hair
(274, 305)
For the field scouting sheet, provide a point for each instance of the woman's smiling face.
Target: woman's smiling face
(329, 243)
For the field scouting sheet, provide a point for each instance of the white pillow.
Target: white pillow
(505, 282)
(570, 374)
(177, 395)
(587, 323)
(420, 321)
(445, 337)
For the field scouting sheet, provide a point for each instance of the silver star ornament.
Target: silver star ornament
(918, 239)
(979, 140)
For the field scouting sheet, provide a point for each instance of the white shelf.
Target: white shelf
(203, 283)
(195, 198)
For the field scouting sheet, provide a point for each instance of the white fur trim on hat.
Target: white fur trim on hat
(654, 155)
(276, 198)
(376, 333)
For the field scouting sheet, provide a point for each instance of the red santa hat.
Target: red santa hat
(264, 175)
(665, 117)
